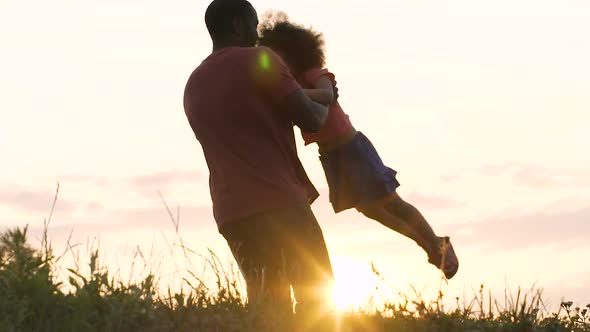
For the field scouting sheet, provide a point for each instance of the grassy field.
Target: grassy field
(32, 299)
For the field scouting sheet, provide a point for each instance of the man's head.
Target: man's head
(232, 23)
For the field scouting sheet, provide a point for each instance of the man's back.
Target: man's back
(231, 103)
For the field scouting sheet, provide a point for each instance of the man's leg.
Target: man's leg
(310, 270)
(261, 262)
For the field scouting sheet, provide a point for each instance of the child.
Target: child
(356, 176)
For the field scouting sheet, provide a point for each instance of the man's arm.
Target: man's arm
(323, 91)
(305, 113)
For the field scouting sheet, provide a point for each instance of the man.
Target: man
(241, 103)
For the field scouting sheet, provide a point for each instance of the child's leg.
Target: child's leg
(402, 217)
(414, 219)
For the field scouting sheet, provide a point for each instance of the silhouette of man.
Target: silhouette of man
(241, 103)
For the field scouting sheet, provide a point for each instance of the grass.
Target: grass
(32, 298)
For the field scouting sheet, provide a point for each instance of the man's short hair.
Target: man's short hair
(220, 16)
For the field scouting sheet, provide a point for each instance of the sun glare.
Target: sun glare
(264, 60)
(354, 283)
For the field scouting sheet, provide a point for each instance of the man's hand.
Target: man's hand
(335, 90)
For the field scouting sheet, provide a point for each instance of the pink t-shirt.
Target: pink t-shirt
(338, 122)
(231, 103)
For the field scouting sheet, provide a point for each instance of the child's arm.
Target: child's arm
(323, 91)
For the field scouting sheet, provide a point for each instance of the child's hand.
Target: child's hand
(324, 91)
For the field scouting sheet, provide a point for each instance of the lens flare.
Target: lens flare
(264, 61)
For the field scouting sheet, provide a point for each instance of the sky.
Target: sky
(481, 106)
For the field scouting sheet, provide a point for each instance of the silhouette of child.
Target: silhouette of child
(356, 175)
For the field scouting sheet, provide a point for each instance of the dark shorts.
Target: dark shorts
(356, 174)
(278, 249)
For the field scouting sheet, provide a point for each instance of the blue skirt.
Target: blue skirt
(356, 174)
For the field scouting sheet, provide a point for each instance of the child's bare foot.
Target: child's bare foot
(444, 257)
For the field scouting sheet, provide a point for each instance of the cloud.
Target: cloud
(449, 178)
(431, 202)
(499, 169)
(540, 177)
(162, 180)
(94, 207)
(544, 178)
(569, 228)
(192, 218)
(350, 227)
(572, 288)
(32, 201)
(156, 219)
(97, 180)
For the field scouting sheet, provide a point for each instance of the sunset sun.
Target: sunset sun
(354, 283)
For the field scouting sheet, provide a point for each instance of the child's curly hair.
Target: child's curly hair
(302, 48)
